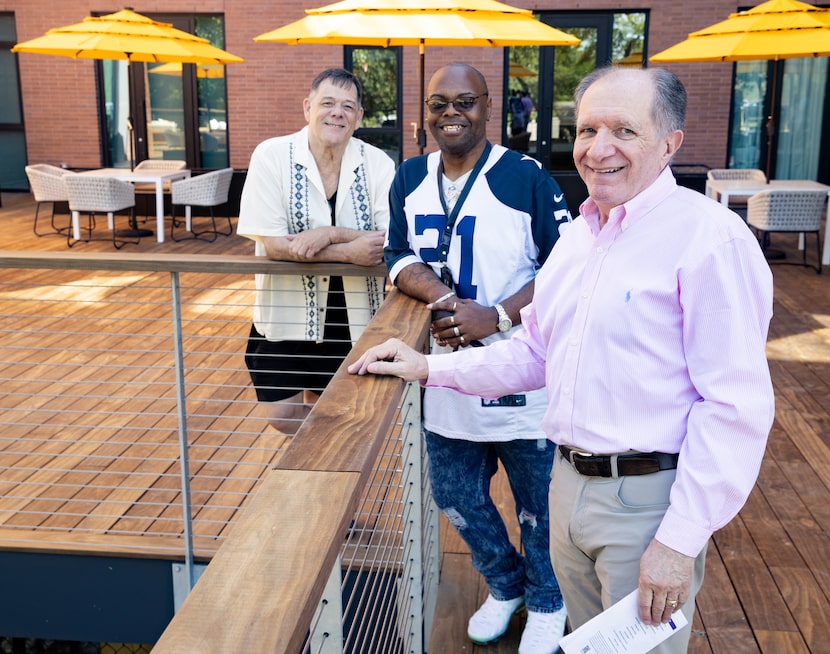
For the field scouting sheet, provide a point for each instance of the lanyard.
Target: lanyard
(452, 216)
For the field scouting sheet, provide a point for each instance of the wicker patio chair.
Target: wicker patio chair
(46, 182)
(738, 205)
(155, 166)
(788, 211)
(90, 194)
(207, 190)
(754, 174)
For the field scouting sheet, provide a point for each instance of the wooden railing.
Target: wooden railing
(262, 589)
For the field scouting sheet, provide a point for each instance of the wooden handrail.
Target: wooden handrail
(199, 263)
(260, 591)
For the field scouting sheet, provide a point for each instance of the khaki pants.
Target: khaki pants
(600, 528)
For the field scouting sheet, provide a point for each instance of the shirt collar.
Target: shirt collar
(349, 166)
(628, 213)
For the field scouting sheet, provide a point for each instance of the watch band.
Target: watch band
(504, 322)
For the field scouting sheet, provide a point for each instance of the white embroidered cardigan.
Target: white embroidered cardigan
(283, 195)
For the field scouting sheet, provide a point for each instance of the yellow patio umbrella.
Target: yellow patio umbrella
(777, 29)
(420, 22)
(518, 70)
(203, 71)
(126, 35)
(773, 30)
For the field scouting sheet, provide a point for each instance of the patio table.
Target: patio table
(723, 189)
(154, 177)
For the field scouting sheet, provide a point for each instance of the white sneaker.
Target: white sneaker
(492, 619)
(543, 632)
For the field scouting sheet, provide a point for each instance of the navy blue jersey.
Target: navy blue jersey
(505, 229)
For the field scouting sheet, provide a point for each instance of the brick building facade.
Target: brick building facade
(264, 94)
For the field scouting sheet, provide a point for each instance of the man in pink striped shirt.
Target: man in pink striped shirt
(648, 328)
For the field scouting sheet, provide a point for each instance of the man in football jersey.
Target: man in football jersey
(469, 227)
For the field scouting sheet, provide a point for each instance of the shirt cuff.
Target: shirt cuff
(441, 369)
(681, 535)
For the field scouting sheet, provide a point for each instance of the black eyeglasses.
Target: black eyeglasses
(463, 103)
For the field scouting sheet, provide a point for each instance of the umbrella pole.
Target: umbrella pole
(770, 126)
(133, 231)
(422, 135)
(131, 139)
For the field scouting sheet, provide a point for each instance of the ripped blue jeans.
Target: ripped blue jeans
(460, 472)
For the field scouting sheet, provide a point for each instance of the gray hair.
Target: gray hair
(669, 109)
(339, 77)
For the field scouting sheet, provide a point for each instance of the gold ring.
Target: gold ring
(454, 304)
(671, 603)
(452, 319)
(461, 338)
(456, 331)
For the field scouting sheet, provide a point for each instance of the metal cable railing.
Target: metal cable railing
(128, 425)
(90, 414)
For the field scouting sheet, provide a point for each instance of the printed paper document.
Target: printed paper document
(619, 630)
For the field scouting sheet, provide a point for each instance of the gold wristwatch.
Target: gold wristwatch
(504, 324)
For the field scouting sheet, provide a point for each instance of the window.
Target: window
(549, 75)
(782, 142)
(176, 111)
(377, 69)
(12, 136)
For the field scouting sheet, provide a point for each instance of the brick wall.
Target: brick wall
(265, 93)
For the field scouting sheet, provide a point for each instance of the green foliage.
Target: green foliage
(211, 28)
(377, 70)
(628, 36)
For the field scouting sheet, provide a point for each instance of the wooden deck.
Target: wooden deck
(767, 572)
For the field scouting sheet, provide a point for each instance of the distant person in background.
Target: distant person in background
(316, 195)
(527, 106)
(518, 122)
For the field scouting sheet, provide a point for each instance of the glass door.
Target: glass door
(803, 93)
(778, 110)
(178, 111)
(164, 102)
(604, 38)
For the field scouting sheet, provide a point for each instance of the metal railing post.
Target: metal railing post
(327, 627)
(181, 408)
(411, 601)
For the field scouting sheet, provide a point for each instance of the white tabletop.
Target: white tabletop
(723, 189)
(157, 177)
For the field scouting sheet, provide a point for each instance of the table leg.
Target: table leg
(825, 259)
(159, 211)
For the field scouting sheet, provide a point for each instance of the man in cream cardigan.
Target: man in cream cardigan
(318, 195)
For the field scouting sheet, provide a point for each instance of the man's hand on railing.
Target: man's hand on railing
(367, 249)
(394, 357)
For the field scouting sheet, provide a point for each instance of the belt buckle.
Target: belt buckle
(572, 453)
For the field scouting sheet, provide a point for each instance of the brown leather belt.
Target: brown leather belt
(618, 465)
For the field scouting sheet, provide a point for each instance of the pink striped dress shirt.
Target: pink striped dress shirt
(649, 335)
